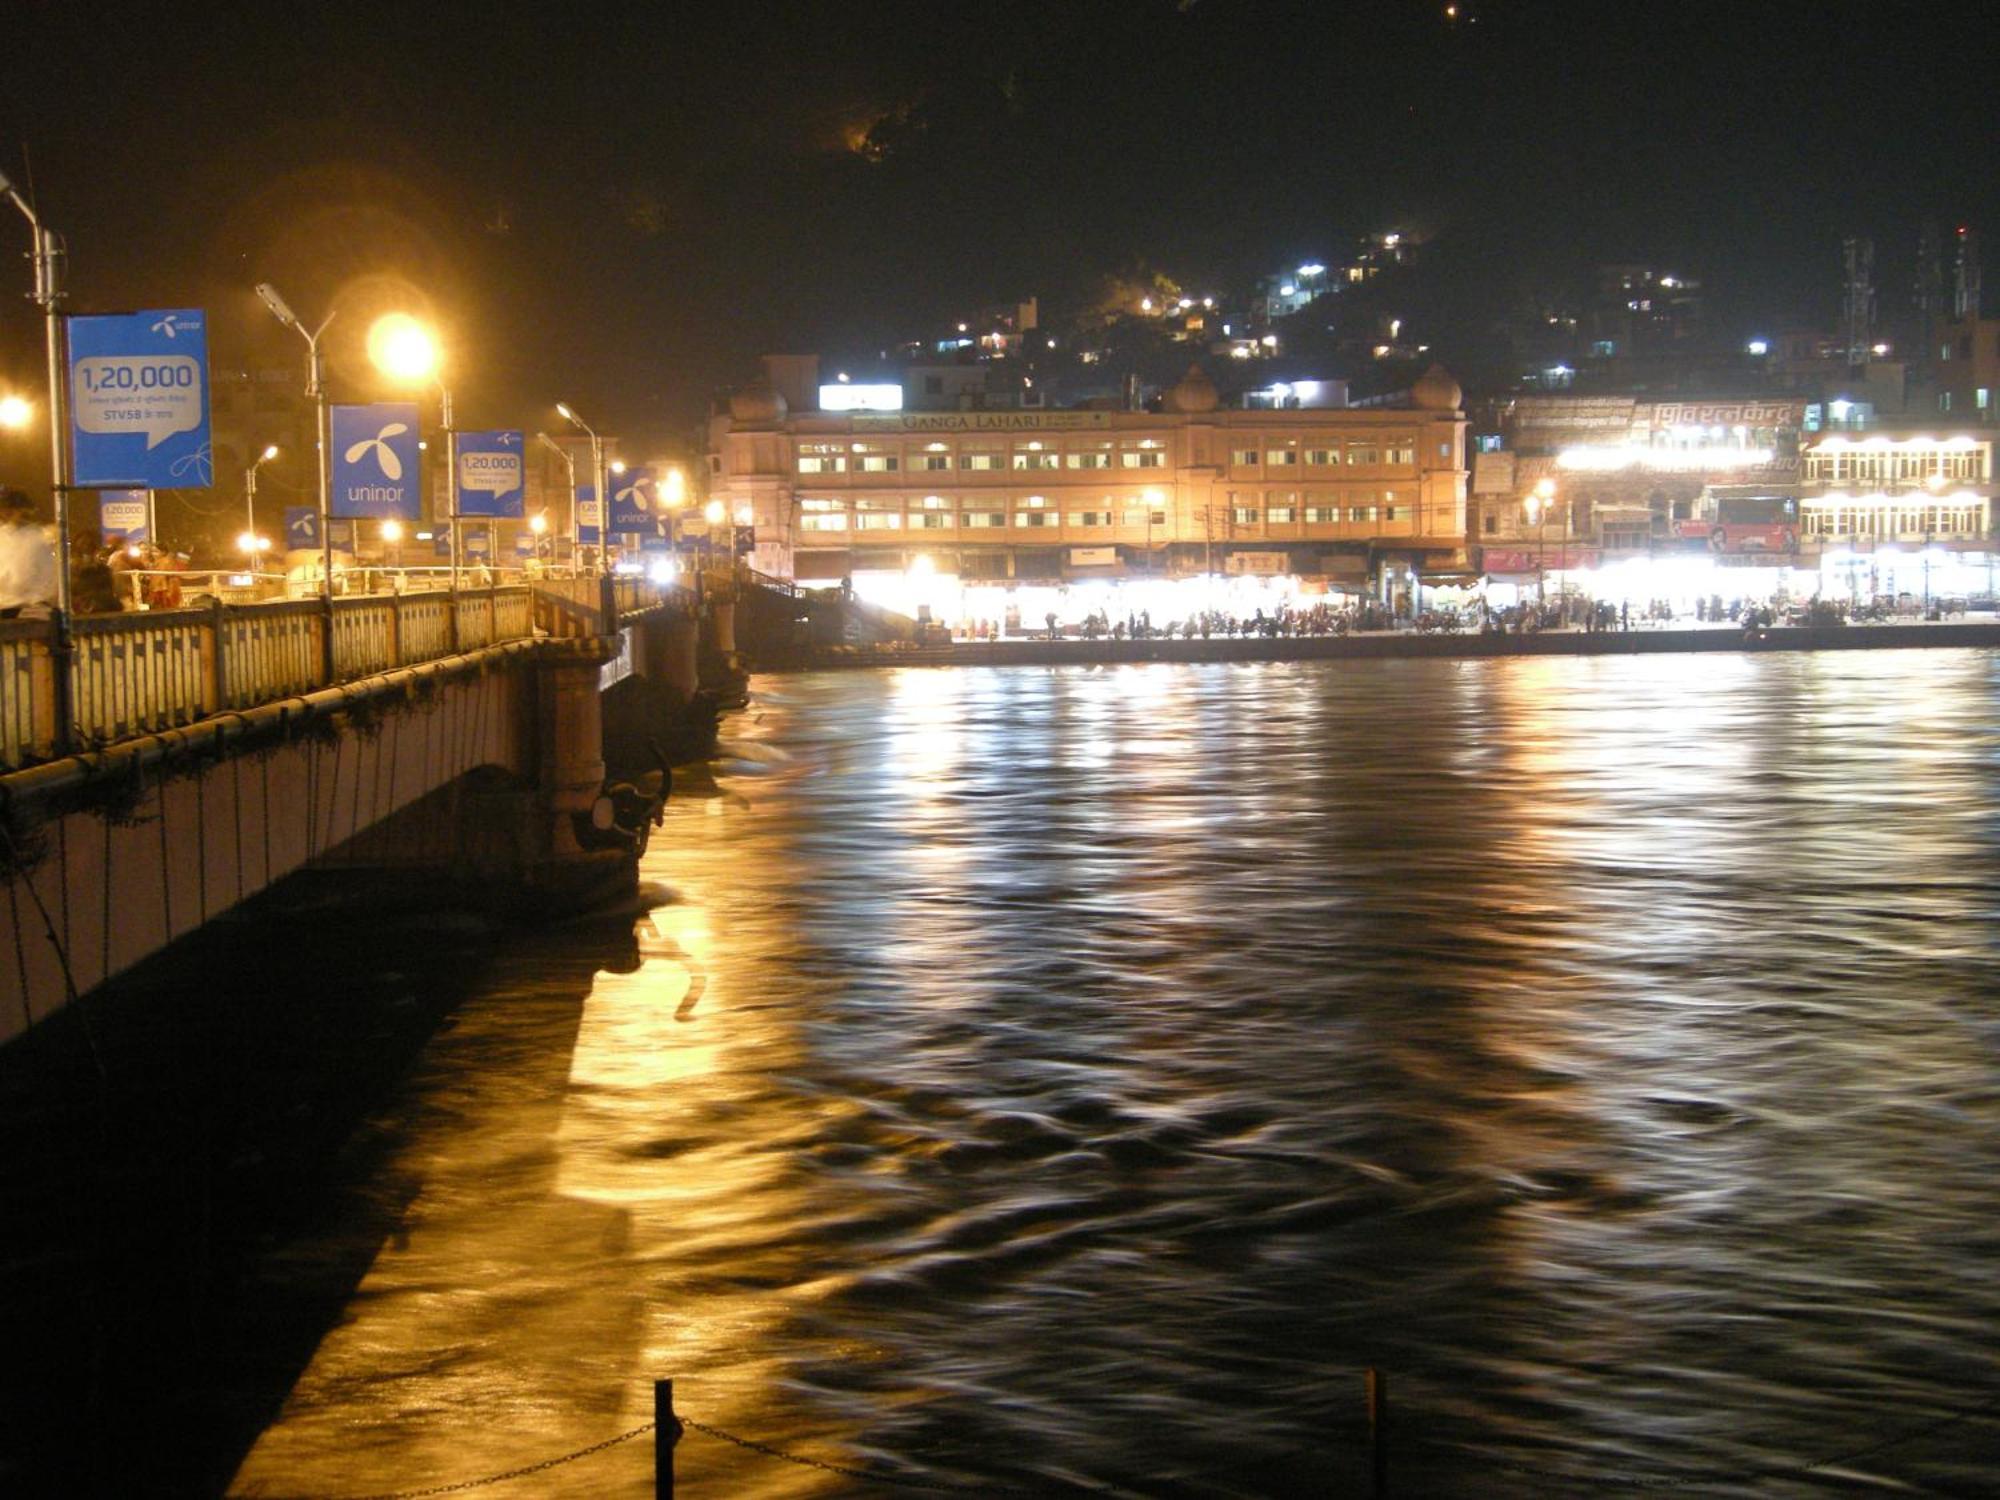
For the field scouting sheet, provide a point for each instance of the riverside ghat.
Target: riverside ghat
(1065, 652)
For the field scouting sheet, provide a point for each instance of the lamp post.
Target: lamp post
(568, 414)
(403, 349)
(250, 500)
(1537, 503)
(575, 528)
(715, 513)
(315, 393)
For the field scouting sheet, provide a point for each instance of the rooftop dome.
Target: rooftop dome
(757, 404)
(1196, 392)
(1435, 390)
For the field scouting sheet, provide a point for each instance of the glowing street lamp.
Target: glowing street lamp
(405, 350)
(569, 466)
(315, 393)
(255, 543)
(1538, 502)
(15, 412)
(568, 414)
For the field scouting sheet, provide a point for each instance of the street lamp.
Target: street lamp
(715, 512)
(15, 412)
(48, 256)
(568, 414)
(403, 349)
(315, 393)
(1537, 503)
(250, 502)
(569, 465)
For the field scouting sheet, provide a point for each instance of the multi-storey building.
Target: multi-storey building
(1357, 496)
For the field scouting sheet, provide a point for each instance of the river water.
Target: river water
(1040, 1078)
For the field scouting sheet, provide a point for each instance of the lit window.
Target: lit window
(1036, 459)
(1243, 515)
(935, 462)
(1363, 453)
(1281, 456)
(878, 463)
(881, 521)
(816, 464)
(1034, 518)
(935, 502)
(1279, 514)
(1360, 512)
(979, 460)
(1320, 515)
(1323, 457)
(1088, 460)
(1243, 457)
(1142, 460)
(1092, 518)
(823, 523)
(978, 519)
(1402, 450)
(929, 521)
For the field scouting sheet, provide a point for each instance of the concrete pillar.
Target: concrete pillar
(569, 731)
(722, 623)
(671, 656)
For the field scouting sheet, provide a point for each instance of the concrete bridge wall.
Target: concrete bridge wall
(128, 849)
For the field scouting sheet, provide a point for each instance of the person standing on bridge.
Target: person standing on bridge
(27, 560)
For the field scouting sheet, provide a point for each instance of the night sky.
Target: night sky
(624, 205)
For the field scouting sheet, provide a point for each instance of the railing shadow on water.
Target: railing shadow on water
(181, 1146)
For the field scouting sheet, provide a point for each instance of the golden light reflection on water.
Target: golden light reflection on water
(1026, 1070)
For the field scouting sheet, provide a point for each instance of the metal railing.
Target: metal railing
(139, 673)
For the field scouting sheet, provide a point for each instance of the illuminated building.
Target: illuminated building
(1353, 496)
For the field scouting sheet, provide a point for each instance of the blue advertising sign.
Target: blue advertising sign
(491, 477)
(139, 400)
(441, 544)
(375, 462)
(586, 515)
(301, 527)
(524, 544)
(476, 544)
(632, 498)
(122, 514)
(342, 533)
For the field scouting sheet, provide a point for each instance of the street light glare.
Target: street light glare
(538, 522)
(403, 348)
(270, 452)
(15, 411)
(715, 511)
(563, 411)
(392, 530)
(676, 488)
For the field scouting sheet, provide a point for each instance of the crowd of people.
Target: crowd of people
(103, 578)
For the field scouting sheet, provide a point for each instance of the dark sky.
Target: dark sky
(623, 205)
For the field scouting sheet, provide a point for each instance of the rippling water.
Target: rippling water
(1043, 1076)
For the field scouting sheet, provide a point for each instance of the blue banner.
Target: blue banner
(524, 544)
(122, 514)
(586, 515)
(632, 500)
(476, 543)
(491, 476)
(139, 400)
(375, 462)
(301, 527)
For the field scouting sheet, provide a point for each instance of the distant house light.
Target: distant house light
(1759, 346)
(1287, 290)
(1312, 268)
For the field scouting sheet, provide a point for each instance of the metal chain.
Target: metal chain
(473, 1484)
(820, 1463)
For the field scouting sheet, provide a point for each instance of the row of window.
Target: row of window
(1147, 453)
(1875, 466)
(1891, 521)
(1241, 515)
(1395, 451)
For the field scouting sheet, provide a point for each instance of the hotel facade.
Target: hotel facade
(1365, 498)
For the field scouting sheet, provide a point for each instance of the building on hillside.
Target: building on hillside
(1344, 498)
